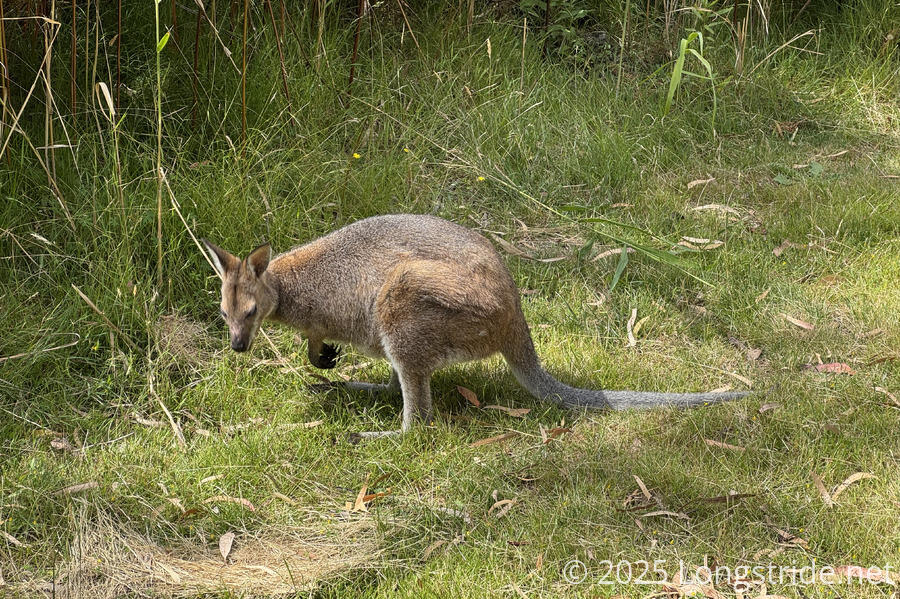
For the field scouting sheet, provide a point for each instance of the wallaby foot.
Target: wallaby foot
(392, 387)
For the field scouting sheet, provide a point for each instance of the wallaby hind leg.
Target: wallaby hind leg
(416, 387)
(392, 387)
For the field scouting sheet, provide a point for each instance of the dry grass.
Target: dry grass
(107, 561)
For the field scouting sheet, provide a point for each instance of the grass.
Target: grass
(427, 126)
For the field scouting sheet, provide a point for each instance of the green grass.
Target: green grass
(427, 128)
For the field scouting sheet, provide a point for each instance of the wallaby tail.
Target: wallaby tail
(526, 366)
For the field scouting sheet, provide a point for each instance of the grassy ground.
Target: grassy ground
(806, 149)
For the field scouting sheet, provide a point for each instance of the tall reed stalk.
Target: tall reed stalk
(160, 44)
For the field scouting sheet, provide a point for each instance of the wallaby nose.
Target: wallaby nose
(239, 345)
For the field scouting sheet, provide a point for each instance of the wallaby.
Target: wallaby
(417, 290)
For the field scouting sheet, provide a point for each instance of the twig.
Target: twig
(359, 16)
(108, 322)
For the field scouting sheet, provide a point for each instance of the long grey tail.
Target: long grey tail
(526, 366)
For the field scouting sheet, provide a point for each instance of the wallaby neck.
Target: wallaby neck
(294, 282)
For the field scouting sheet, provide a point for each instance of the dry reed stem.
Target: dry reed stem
(359, 17)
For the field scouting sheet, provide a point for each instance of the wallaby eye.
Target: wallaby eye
(251, 311)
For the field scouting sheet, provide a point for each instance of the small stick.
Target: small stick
(359, 16)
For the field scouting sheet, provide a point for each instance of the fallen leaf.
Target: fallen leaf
(831, 367)
(149, 422)
(370, 497)
(800, 323)
(642, 486)
(555, 432)
(872, 333)
(504, 506)
(713, 443)
(284, 498)
(631, 340)
(612, 252)
(510, 248)
(226, 499)
(495, 439)
(457, 513)
(666, 513)
(77, 488)
(469, 395)
(753, 354)
(621, 205)
(639, 324)
(697, 182)
(766, 407)
(790, 538)
(826, 497)
(763, 295)
(62, 444)
(787, 243)
(225, 542)
(699, 243)
(717, 208)
(360, 504)
(514, 412)
(857, 476)
(209, 479)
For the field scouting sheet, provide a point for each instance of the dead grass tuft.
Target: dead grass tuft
(106, 562)
(182, 338)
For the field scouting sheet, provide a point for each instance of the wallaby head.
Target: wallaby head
(247, 294)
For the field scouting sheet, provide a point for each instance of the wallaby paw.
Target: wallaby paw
(328, 357)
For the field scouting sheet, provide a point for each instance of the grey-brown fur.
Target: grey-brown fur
(417, 290)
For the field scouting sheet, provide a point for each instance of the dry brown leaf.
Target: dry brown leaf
(697, 182)
(360, 504)
(514, 412)
(753, 354)
(666, 513)
(470, 396)
(210, 479)
(62, 444)
(621, 205)
(149, 422)
(855, 477)
(370, 497)
(713, 443)
(700, 243)
(717, 208)
(826, 497)
(77, 488)
(284, 498)
(787, 243)
(225, 542)
(504, 506)
(790, 539)
(763, 295)
(495, 439)
(872, 333)
(631, 340)
(766, 407)
(227, 499)
(555, 432)
(642, 486)
(732, 496)
(831, 367)
(510, 248)
(800, 323)
(612, 252)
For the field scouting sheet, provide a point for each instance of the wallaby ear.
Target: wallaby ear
(222, 260)
(258, 260)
